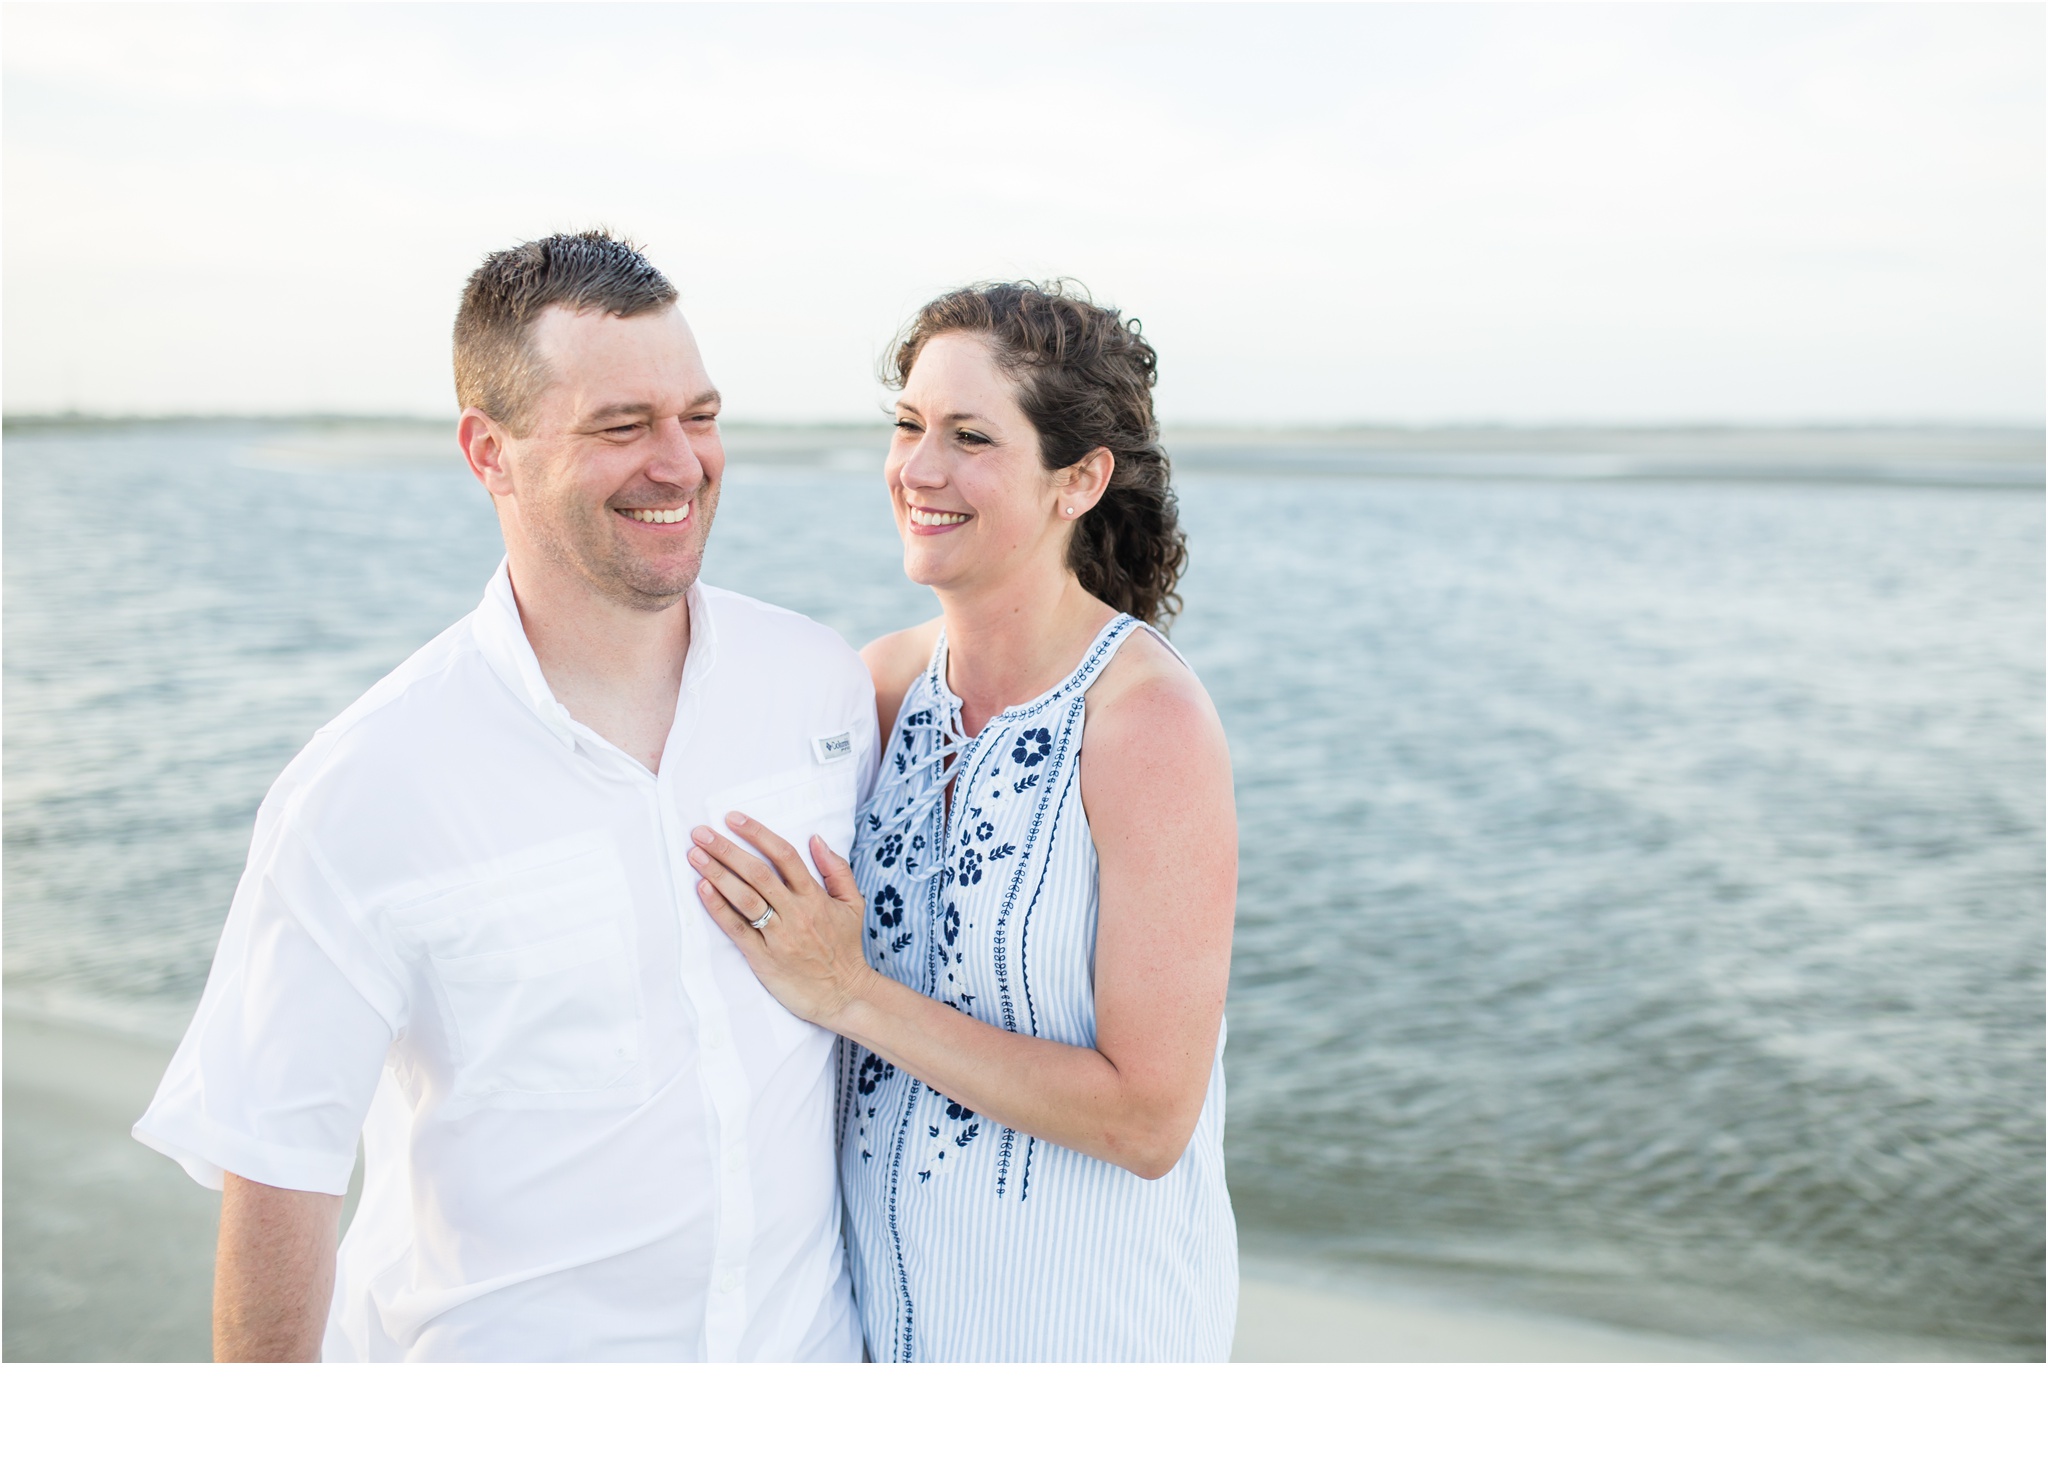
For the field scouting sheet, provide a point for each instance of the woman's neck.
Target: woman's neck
(1008, 644)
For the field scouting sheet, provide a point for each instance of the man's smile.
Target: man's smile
(680, 514)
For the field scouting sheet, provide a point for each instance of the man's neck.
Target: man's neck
(618, 670)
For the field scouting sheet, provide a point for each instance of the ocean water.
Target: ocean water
(1642, 834)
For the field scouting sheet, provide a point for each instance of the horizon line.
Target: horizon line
(10, 421)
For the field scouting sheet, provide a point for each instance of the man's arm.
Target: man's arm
(273, 1273)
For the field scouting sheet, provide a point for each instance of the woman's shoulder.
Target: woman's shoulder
(896, 660)
(1154, 762)
(1148, 699)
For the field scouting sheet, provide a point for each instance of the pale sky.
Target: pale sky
(1327, 213)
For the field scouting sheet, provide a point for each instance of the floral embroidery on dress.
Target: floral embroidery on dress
(889, 906)
(955, 1129)
(874, 1072)
(1032, 747)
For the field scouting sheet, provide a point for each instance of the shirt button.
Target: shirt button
(728, 1281)
(713, 1043)
(735, 1162)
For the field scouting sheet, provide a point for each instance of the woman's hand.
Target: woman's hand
(808, 954)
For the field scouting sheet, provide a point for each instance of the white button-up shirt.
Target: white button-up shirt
(468, 932)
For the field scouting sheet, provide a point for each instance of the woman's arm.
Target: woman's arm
(1155, 777)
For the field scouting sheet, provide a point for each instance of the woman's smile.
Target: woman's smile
(934, 521)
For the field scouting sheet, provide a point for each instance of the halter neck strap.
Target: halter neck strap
(929, 733)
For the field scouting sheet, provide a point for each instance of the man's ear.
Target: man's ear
(483, 443)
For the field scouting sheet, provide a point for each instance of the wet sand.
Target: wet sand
(1353, 1322)
(109, 1247)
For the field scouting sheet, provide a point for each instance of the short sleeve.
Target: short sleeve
(276, 1073)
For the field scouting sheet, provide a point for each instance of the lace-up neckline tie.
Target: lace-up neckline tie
(942, 740)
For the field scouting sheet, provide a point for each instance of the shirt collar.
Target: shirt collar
(501, 636)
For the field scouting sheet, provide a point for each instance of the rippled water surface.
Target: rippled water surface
(1642, 835)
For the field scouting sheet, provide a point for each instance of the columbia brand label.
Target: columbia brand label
(833, 746)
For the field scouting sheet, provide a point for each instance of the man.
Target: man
(468, 930)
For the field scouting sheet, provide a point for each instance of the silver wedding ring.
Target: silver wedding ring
(766, 916)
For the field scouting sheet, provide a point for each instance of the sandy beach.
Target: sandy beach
(109, 1247)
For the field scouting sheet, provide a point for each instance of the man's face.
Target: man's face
(617, 480)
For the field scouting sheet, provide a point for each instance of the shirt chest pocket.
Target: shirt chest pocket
(534, 965)
(795, 805)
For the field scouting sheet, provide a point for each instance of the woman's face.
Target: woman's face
(971, 500)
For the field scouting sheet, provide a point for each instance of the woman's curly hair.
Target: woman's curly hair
(1084, 378)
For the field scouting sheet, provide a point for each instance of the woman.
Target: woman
(1028, 953)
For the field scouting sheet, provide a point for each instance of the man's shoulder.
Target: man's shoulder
(416, 705)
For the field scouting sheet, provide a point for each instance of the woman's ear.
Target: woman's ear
(1084, 484)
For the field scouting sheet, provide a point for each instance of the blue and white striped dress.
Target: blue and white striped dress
(970, 1241)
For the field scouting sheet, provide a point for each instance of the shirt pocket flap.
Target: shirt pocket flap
(794, 805)
(533, 961)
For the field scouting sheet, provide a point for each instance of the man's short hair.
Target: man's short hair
(496, 368)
